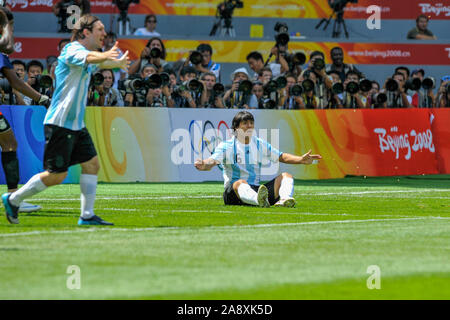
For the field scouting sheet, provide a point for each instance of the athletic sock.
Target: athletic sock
(286, 188)
(32, 187)
(88, 187)
(11, 168)
(247, 194)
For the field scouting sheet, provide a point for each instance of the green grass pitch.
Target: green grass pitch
(178, 241)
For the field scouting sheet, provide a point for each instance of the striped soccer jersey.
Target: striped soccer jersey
(244, 161)
(72, 82)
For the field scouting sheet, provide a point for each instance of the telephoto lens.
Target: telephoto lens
(319, 64)
(194, 85)
(308, 85)
(155, 53)
(352, 87)
(218, 89)
(379, 98)
(45, 81)
(296, 90)
(270, 87)
(391, 85)
(245, 86)
(195, 57)
(154, 81)
(365, 85)
(337, 88)
(97, 79)
(132, 85)
(413, 84)
(428, 83)
(298, 58)
(281, 82)
(165, 79)
(270, 104)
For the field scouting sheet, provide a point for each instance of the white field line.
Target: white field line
(96, 229)
(219, 196)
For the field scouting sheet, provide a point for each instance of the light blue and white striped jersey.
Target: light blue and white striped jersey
(244, 161)
(72, 82)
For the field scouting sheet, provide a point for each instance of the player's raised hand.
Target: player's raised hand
(199, 165)
(113, 53)
(309, 158)
(125, 61)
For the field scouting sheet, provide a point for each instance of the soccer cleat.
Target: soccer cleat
(11, 211)
(28, 207)
(263, 197)
(288, 203)
(93, 221)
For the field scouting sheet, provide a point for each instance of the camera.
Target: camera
(428, 83)
(269, 87)
(192, 85)
(282, 37)
(339, 5)
(413, 84)
(155, 53)
(308, 85)
(154, 81)
(296, 90)
(298, 58)
(337, 88)
(131, 85)
(281, 82)
(365, 85)
(391, 85)
(165, 79)
(195, 58)
(218, 89)
(97, 79)
(319, 64)
(352, 87)
(379, 98)
(42, 81)
(245, 86)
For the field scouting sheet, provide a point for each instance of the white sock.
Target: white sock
(286, 188)
(88, 187)
(247, 194)
(32, 187)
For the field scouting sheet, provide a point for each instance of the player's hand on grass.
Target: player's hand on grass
(199, 164)
(309, 158)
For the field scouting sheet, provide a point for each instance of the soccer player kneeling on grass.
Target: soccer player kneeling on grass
(241, 178)
(67, 141)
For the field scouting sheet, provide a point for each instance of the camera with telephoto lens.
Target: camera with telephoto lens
(42, 82)
(269, 87)
(365, 85)
(153, 81)
(337, 88)
(282, 36)
(297, 59)
(195, 58)
(218, 90)
(391, 85)
(131, 85)
(165, 79)
(413, 84)
(192, 85)
(6, 94)
(379, 98)
(155, 53)
(339, 5)
(281, 82)
(319, 64)
(428, 83)
(308, 85)
(352, 87)
(245, 86)
(97, 79)
(296, 90)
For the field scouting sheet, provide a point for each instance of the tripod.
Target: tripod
(226, 28)
(124, 23)
(339, 22)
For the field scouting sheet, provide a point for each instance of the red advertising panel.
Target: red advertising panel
(441, 130)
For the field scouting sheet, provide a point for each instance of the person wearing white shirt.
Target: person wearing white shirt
(149, 29)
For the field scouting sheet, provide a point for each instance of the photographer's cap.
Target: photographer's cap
(445, 78)
(240, 70)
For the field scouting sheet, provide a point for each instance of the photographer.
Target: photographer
(443, 98)
(205, 64)
(19, 68)
(256, 63)
(352, 96)
(377, 99)
(160, 97)
(154, 53)
(323, 83)
(34, 72)
(104, 95)
(60, 10)
(258, 93)
(292, 99)
(308, 99)
(182, 95)
(136, 97)
(240, 94)
(335, 94)
(338, 65)
(397, 97)
(214, 91)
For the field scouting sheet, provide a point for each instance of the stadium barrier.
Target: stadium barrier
(161, 145)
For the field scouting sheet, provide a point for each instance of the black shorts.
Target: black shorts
(4, 124)
(65, 148)
(230, 197)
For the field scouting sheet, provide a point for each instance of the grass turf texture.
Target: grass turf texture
(178, 241)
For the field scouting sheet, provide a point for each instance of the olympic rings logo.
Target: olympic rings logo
(205, 137)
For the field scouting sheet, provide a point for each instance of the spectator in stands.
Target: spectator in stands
(236, 97)
(105, 95)
(421, 31)
(323, 82)
(398, 98)
(443, 98)
(403, 70)
(337, 56)
(213, 99)
(34, 68)
(256, 63)
(62, 43)
(119, 74)
(207, 65)
(145, 57)
(182, 96)
(149, 27)
(19, 68)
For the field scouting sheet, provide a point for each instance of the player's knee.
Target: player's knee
(91, 167)
(286, 175)
(238, 183)
(53, 179)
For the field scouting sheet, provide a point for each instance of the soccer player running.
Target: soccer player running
(241, 159)
(8, 142)
(67, 141)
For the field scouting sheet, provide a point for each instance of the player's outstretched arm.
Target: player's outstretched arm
(122, 63)
(205, 165)
(307, 158)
